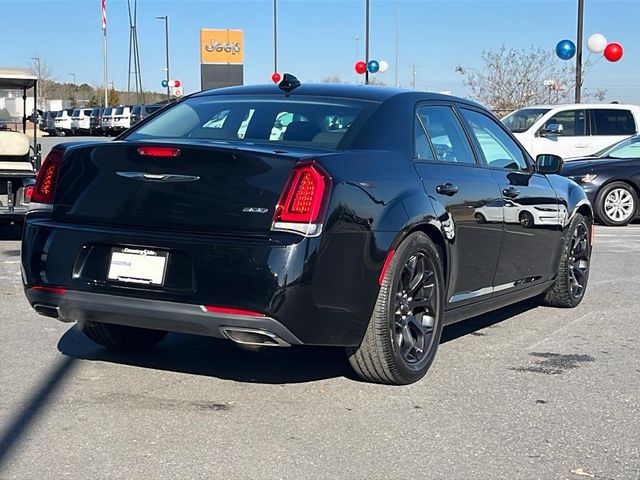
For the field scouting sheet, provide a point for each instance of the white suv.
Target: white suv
(62, 122)
(80, 121)
(106, 124)
(574, 130)
(121, 119)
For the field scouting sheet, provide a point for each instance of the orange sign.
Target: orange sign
(221, 46)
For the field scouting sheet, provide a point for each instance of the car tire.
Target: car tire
(122, 337)
(573, 269)
(402, 337)
(616, 204)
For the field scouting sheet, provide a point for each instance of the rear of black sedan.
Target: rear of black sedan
(212, 220)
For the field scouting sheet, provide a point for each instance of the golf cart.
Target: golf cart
(19, 159)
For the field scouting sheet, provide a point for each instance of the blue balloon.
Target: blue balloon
(373, 66)
(164, 83)
(565, 49)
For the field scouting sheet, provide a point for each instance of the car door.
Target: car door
(574, 139)
(532, 213)
(464, 195)
(609, 126)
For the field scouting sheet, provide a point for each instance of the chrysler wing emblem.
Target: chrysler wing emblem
(159, 177)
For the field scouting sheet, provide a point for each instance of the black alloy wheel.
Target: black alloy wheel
(416, 306)
(404, 331)
(573, 269)
(579, 260)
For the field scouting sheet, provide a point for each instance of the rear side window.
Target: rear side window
(444, 133)
(572, 121)
(498, 149)
(321, 122)
(612, 122)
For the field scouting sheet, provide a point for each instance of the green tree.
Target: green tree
(113, 97)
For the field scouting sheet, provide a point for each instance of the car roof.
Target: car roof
(584, 105)
(339, 90)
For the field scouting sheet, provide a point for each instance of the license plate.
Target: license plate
(137, 265)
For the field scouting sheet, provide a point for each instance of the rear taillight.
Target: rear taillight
(46, 181)
(159, 151)
(302, 205)
(28, 193)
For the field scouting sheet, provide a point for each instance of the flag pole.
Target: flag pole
(104, 47)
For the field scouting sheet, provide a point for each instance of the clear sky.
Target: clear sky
(317, 37)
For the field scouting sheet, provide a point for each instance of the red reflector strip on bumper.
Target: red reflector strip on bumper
(42, 288)
(231, 311)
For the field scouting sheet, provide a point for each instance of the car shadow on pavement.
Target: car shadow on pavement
(211, 357)
(223, 359)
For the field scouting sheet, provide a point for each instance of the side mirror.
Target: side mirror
(552, 129)
(548, 164)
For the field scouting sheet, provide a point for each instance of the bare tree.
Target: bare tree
(511, 79)
(41, 69)
(332, 79)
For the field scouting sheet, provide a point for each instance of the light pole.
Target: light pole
(366, 41)
(73, 75)
(579, 50)
(356, 39)
(38, 73)
(166, 45)
(275, 36)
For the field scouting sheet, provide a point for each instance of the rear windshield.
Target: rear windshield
(119, 110)
(75, 113)
(306, 121)
(136, 109)
(153, 108)
(107, 111)
(95, 112)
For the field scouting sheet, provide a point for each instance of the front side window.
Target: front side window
(449, 142)
(572, 121)
(498, 149)
(613, 122)
(319, 122)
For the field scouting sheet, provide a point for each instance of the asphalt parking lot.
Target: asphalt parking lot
(527, 392)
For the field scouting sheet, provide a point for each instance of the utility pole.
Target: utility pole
(413, 76)
(104, 51)
(166, 45)
(275, 36)
(366, 41)
(73, 75)
(579, 50)
(39, 84)
(134, 52)
(397, 35)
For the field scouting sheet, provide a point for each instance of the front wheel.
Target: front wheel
(573, 270)
(122, 337)
(404, 330)
(616, 204)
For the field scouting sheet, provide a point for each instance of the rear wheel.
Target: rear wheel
(122, 337)
(404, 331)
(617, 204)
(573, 270)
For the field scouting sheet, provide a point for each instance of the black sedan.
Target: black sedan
(611, 180)
(360, 217)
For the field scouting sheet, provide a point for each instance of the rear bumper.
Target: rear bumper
(17, 213)
(75, 306)
(321, 290)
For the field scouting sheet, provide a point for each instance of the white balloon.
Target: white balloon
(384, 66)
(596, 43)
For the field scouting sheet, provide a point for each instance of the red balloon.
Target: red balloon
(613, 52)
(275, 78)
(361, 67)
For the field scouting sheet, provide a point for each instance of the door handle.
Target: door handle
(510, 192)
(447, 189)
(581, 145)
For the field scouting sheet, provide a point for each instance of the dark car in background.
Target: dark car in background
(351, 226)
(95, 121)
(611, 180)
(140, 112)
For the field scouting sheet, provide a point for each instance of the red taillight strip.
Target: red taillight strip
(159, 151)
(231, 311)
(43, 288)
(385, 266)
(46, 181)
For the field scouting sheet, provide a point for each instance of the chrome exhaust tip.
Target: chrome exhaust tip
(254, 337)
(50, 311)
